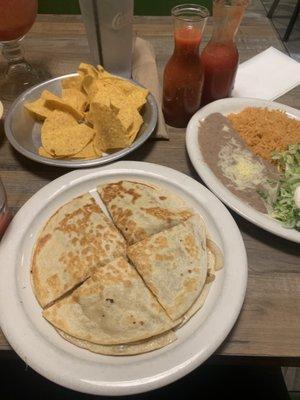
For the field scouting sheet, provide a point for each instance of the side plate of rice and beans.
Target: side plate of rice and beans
(253, 150)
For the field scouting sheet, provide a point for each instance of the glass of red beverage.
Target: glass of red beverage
(4, 211)
(183, 75)
(16, 19)
(220, 57)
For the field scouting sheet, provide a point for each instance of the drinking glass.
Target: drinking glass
(4, 211)
(109, 29)
(16, 19)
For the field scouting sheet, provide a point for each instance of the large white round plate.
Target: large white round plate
(227, 106)
(36, 341)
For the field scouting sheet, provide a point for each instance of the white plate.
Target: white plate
(226, 106)
(35, 340)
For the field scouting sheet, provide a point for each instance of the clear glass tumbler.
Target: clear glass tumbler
(16, 19)
(109, 29)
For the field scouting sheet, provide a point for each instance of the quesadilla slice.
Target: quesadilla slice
(127, 349)
(76, 239)
(200, 301)
(140, 210)
(173, 264)
(113, 306)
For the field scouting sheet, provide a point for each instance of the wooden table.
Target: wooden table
(268, 325)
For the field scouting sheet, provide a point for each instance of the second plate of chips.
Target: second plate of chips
(24, 132)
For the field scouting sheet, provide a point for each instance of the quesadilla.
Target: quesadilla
(127, 349)
(113, 306)
(140, 210)
(173, 264)
(76, 239)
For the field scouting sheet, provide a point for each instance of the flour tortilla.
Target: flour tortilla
(127, 349)
(140, 210)
(75, 240)
(113, 306)
(214, 263)
(173, 264)
(200, 301)
(214, 248)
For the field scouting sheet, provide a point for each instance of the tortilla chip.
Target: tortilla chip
(102, 73)
(42, 152)
(89, 85)
(88, 69)
(126, 116)
(75, 98)
(73, 82)
(107, 94)
(38, 109)
(137, 123)
(111, 126)
(139, 98)
(87, 153)
(61, 135)
(98, 144)
(56, 103)
(136, 94)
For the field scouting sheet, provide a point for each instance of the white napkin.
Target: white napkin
(267, 75)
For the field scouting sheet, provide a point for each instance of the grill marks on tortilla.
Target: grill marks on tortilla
(173, 264)
(76, 240)
(140, 210)
(133, 315)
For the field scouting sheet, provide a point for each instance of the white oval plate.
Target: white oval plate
(38, 344)
(227, 106)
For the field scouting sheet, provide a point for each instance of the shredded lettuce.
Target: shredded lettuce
(282, 204)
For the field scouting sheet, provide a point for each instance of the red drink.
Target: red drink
(220, 62)
(220, 56)
(183, 79)
(16, 18)
(183, 75)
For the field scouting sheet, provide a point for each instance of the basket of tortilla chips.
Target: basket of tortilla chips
(82, 119)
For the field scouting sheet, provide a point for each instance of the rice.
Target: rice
(266, 130)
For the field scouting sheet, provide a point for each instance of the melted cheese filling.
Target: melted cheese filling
(240, 167)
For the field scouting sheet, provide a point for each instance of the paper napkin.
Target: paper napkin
(267, 75)
(144, 71)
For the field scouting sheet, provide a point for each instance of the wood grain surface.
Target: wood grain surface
(269, 322)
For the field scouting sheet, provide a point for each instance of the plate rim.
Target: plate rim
(261, 220)
(176, 371)
(76, 163)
